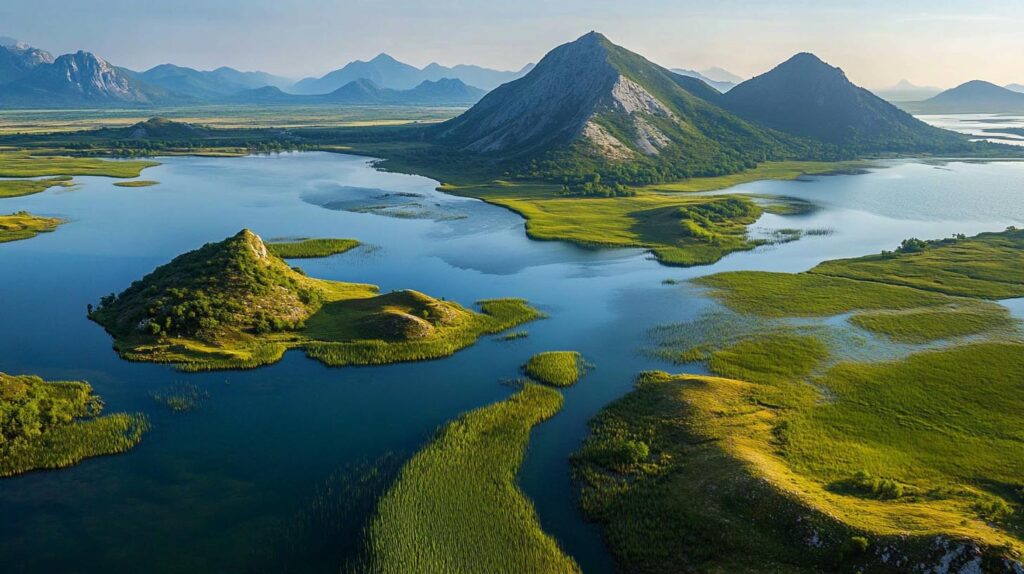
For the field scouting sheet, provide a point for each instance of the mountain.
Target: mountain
(79, 79)
(806, 97)
(206, 84)
(383, 70)
(483, 78)
(446, 92)
(974, 97)
(1015, 88)
(718, 85)
(17, 59)
(155, 129)
(904, 91)
(388, 72)
(591, 104)
(721, 75)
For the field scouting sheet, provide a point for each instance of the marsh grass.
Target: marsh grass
(771, 170)
(20, 187)
(182, 397)
(310, 248)
(48, 425)
(456, 506)
(37, 164)
(556, 368)
(937, 323)
(137, 183)
(24, 225)
(514, 335)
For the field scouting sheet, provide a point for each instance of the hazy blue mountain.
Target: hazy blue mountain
(388, 72)
(590, 102)
(721, 75)
(904, 91)
(17, 59)
(446, 92)
(722, 87)
(807, 97)
(207, 84)
(974, 97)
(383, 71)
(1015, 88)
(80, 79)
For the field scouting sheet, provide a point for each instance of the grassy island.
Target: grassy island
(38, 163)
(876, 462)
(556, 368)
(456, 507)
(46, 425)
(136, 183)
(24, 225)
(311, 248)
(235, 304)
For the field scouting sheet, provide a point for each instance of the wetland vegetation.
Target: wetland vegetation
(456, 505)
(136, 183)
(24, 225)
(21, 187)
(46, 425)
(556, 368)
(311, 248)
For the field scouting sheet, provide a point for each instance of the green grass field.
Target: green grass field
(24, 225)
(136, 183)
(555, 368)
(20, 187)
(679, 230)
(936, 323)
(47, 425)
(456, 506)
(310, 248)
(772, 170)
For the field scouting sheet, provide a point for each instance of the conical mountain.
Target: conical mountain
(592, 102)
(976, 97)
(807, 97)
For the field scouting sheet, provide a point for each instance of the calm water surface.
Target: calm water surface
(215, 490)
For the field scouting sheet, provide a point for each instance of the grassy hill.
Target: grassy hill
(235, 304)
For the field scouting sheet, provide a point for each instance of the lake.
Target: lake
(222, 488)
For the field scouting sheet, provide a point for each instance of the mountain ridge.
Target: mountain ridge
(975, 96)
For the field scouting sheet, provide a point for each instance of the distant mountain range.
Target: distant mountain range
(32, 78)
(1016, 87)
(388, 72)
(720, 85)
(590, 104)
(974, 97)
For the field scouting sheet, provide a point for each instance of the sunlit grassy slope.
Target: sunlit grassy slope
(24, 225)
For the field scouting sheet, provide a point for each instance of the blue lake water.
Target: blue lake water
(215, 490)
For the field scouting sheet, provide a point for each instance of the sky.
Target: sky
(929, 42)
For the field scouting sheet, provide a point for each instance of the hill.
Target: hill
(234, 304)
(445, 92)
(79, 79)
(974, 97)
(806, 97)
(156, 129)
(590, 105)
(388, 72)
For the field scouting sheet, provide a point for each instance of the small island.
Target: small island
(46, 425)
(136, 183)
(311, 248)
(556, 368)
(236, 304)
(24, 225)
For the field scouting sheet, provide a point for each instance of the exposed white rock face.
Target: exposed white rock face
(649, 139)
(605, 143)
(630, 97)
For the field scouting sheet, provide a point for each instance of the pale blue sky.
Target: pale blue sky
(937, 42)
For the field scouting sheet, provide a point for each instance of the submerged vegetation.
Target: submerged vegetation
(456, 507)
(235, 304)
(45, 425)
(24, 225)
(308, 248)
(556, 368)
(182, 397)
